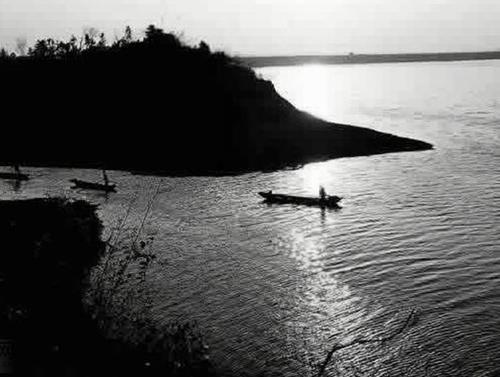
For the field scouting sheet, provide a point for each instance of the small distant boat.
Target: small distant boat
(330, 201)
(106, 186)
(15, 175)
(78, 183)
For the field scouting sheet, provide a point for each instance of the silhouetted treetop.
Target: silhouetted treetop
(153, 32)
(204, 47)
(128, 34)
(156, 42)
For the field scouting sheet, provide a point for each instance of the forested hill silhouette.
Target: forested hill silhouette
(159, 106)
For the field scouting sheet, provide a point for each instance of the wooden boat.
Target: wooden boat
(106, 186)
(329, 201)
(78, 183)
(15, 175)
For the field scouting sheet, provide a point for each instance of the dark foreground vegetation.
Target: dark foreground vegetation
(48, 248)
(157, 105)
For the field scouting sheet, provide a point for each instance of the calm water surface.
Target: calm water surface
(273, 287)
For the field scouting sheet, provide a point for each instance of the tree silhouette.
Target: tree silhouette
(128, 34)
(153, 33)
(204, 47)
(102, 41)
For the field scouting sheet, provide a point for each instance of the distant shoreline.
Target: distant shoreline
(268, 61)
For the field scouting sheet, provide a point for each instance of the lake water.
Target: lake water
(273, 288)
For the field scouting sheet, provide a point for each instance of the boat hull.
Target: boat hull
(92, 185)
(330, 201)
(15, 176)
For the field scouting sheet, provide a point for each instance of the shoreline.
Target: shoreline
(294, 60)
(411, 145)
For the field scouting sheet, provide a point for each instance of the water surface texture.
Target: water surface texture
(274, 287)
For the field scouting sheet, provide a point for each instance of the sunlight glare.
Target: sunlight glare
(314, 96)
(321, 174)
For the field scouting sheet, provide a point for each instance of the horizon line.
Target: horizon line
(353, 53)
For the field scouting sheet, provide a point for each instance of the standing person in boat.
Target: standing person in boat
(105, 176)
(322, 193)
(16, 169)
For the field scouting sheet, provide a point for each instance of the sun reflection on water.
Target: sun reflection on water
(309, 87)
(322, 174)
(325, 309)
(313, 96)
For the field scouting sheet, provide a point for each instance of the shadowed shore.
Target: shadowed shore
(158, 106)
(57, 318)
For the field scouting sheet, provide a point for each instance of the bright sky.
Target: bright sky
(272, 27)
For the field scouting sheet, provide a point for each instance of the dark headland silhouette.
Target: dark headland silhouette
(158, 106)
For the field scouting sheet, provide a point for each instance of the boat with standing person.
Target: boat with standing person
(323, 200)
(106, 186)
(15, 175)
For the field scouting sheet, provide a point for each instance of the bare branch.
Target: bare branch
(409, 321)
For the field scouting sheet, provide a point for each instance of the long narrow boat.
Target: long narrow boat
(329, 201)
(93, 185)
(15, 176)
